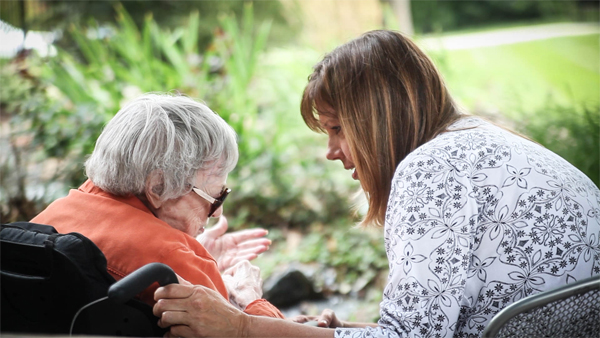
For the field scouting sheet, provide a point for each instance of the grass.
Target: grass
(524, 76)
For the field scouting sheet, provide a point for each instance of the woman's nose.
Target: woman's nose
(333, 151)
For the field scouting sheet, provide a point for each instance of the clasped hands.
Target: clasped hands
(233, 251)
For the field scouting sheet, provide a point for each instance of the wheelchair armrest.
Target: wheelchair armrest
(139, 280)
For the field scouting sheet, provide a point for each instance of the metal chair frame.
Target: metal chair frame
(540, 300)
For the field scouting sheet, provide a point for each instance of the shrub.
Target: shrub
(573, 132)
(23, 98)
(440, 15)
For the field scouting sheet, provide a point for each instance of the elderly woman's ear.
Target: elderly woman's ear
(154, 188)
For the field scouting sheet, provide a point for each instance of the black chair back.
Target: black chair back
(47, 278)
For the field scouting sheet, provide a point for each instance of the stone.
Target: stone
(289, 288)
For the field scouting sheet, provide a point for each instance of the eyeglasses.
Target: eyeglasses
(215, 203)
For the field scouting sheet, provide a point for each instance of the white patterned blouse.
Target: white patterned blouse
(477, 219)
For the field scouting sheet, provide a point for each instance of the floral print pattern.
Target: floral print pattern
(477, 219)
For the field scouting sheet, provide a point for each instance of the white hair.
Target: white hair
(174, 136)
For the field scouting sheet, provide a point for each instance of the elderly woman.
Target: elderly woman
(475, 217)
(157, 174)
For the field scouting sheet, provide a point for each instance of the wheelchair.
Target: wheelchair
(57, 284)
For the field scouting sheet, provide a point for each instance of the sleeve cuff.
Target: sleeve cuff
(261, 307)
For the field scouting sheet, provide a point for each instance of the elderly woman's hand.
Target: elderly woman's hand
(197, 311)
(243, 283)
(229, 249)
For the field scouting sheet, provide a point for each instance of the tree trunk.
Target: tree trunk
(403, 15)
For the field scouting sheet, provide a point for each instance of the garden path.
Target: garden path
(507, 36)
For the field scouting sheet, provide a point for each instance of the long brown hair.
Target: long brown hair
(389, 99)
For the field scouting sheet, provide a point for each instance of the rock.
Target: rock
(289, 288)
(325, 281)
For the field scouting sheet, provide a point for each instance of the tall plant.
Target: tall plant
(240, 46)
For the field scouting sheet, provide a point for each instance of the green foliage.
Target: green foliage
(357, 255)
(23, 100)
(335, 247)
(60, 15)
(441, 15)
(573, 132)
(240, 48)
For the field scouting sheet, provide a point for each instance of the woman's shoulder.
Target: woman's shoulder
(473, 149)
(472, 136)
(468, 135)
(475, 132)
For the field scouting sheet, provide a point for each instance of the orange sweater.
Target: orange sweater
(130, 236)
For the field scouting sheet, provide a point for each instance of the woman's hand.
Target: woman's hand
(229, 249)
(243, 283)
(326, 319)
(197, 311)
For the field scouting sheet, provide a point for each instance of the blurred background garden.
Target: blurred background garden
(67, 66)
